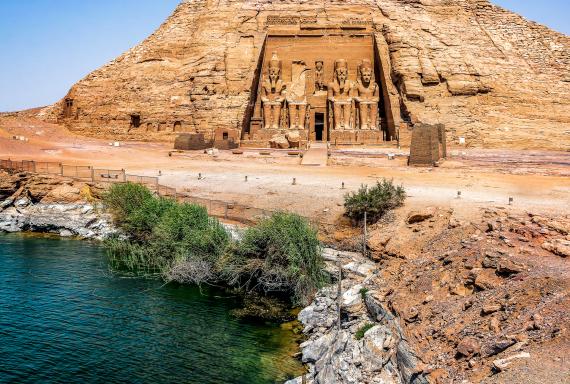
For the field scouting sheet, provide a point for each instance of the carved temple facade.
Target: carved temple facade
(320, 82)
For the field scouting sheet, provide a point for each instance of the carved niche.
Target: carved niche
(273, 94)
(320, 76)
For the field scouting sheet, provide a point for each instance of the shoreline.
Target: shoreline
(325, 350)
(438, 297)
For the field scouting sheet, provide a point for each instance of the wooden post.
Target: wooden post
(365, 234)
(339, 304)
(226, 212)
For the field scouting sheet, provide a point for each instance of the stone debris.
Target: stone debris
(500, 365)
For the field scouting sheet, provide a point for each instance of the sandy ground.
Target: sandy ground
(537, 181)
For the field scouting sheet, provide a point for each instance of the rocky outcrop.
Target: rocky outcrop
(369, 347)
(39, 203)
(64, 219)
(489, 75)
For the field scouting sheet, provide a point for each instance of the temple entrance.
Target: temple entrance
(319, 126)
(135, 121)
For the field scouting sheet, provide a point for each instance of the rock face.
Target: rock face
(37, 203)
(488, 75)
(381, 354)
(64, 219)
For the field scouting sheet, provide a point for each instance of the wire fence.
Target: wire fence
(86, 173)
(218, 208)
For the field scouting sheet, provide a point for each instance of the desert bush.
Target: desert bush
(375, 201)
(160, 232)
(362, 330)
(280, 254)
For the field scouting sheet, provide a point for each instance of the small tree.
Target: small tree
(375, 201)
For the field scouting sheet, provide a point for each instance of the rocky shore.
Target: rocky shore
(370, 346)
(66, 220)
(52, 205)
(438, 299)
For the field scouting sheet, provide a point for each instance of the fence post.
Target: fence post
(365, 235)
(124, 176)
(61, 169)
(92, 173)
(34, 166)
(226, 212)
(339, 263)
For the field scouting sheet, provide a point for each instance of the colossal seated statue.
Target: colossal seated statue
(367, 97)
(297, 96)
(273, 93)
(340, 96)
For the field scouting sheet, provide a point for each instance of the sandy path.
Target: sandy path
(538, 181)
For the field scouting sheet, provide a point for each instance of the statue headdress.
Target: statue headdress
(340, 63)
(275, 62)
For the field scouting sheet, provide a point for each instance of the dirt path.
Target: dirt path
(537, 181)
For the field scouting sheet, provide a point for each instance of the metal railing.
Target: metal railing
(86, 173)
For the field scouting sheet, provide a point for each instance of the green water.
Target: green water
(65, 319)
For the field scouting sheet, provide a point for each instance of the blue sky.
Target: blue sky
(47, 45)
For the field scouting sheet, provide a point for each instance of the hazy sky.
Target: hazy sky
(47, 45)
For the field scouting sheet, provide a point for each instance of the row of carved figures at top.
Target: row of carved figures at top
(345, 97)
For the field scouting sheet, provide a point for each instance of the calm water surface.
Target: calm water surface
(65, 319)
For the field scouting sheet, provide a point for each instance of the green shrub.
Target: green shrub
(362, 330)
(160, 232)
(281, 253)
(375, 201)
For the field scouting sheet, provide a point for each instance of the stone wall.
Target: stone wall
(489, 75)
(428, 144)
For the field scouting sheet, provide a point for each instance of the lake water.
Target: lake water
(64, 318)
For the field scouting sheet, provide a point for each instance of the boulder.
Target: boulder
(500, 365)
(559, 247)
(468, 347)
(378, 341)
(419, 216)
(294, 139)
(313, 351)
(378, 240)
(279, 142)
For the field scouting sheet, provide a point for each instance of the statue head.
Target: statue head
(341, 71)
(319, 65)
(366, 72)
(274, 69)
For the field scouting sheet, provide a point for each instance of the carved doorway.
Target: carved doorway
(319, 126)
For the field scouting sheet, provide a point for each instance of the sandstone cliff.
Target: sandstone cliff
(489, 75)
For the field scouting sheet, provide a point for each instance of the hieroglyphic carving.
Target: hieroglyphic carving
(367, 96)
(356, 22)
(291, 20)
(273, 93)
(308, 20)
(283, 20)
(340, 96)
